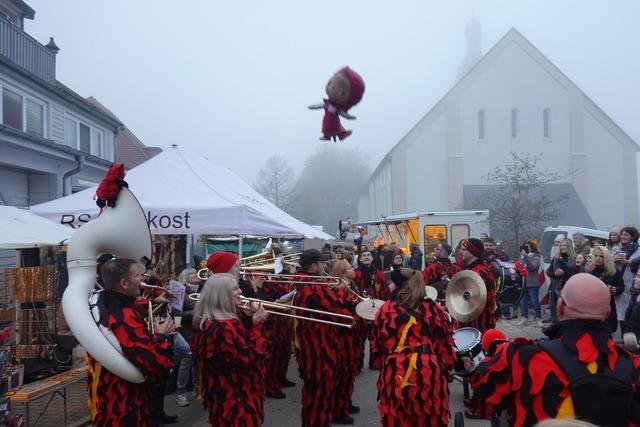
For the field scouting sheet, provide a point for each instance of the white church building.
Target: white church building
(512, 100)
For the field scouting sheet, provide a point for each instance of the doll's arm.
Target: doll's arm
(316, 107)
(346, 115)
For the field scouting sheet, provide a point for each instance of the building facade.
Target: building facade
(52, 141)
(513, 100)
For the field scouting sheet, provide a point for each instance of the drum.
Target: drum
(509, 284)
(468, 342)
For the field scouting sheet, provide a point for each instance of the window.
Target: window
(35, 118)
(11, 109)
(482, 125)
(70, 133)
(515, 123)
(22, 113)
(433, 236)
(459, 232)
(83, 137)
(96, 143)
(546, 123)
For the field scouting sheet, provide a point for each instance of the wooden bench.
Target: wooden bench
(54, 385)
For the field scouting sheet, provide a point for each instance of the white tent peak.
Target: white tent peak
(185, 193)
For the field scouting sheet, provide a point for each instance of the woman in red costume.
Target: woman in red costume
(229, 358)
(351, 344)
(415, 337)
(371, 282)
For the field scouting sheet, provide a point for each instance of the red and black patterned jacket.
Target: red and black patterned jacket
(525, 381)
(112, 400)
(417, 347)
(487, 319)
(374, 284)
(230, 360)
(318, 349)
(439, 268)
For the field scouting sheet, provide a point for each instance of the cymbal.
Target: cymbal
(432, 293)
(368, 308)
(466, 296)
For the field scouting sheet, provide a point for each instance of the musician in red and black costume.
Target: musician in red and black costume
(350, 343)
(371, 282)
(279, 330)
(416, 340)
(531, 381)
(229, 357)
(441, 267)
(471, 253)
(112, 400)
(318, 353)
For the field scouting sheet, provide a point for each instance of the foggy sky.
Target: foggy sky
(232, 79)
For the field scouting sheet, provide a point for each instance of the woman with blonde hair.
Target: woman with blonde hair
(415, 337)
(350, 344)
(229, 357)
(603, 267)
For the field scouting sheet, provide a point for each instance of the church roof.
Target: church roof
(514, 36)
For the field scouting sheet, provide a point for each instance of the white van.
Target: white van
(549, 234)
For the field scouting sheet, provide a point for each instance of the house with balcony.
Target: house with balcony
(52, 140)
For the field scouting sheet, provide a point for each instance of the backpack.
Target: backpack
(603, 398)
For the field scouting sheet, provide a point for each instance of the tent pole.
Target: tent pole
(240, 244)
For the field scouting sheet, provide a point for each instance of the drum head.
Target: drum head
(466, 338)
(432, 293)
(368, 308)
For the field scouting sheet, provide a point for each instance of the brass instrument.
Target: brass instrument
(246, 303)
(150, 319)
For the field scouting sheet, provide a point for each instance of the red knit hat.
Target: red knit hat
(221, 262)
(490, 337)
(475, 246)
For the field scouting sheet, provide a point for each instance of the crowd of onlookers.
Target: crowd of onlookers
(615, 261)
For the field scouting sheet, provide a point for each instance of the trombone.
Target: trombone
(246, 303)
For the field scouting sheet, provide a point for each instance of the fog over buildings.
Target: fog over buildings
(232, 80)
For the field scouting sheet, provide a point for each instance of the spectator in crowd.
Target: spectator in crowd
(397, 261)
(388, 256)
(626, 261)
(578, 263)
(500, 253)
(632, 315)
(189, 278)
(415, 261)
(613, 242)
(581, 244)
(559, 272)
(531, 259)
(483, 237)
(603, 267)
(556, 245)
(327, 249)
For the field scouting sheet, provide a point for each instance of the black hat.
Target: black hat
(310, 256)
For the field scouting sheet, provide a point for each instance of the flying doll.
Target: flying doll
(344, 90)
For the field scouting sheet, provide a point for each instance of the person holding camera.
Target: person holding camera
(530, 258)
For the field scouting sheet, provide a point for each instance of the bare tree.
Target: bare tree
(517, 202)
(276, 181)
(329, 186)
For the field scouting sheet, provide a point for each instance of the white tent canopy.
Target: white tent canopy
(20, 229)
(185, 193)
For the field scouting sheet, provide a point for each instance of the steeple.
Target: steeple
(473, 34)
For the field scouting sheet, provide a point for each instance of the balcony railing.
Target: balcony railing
(25, 51)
